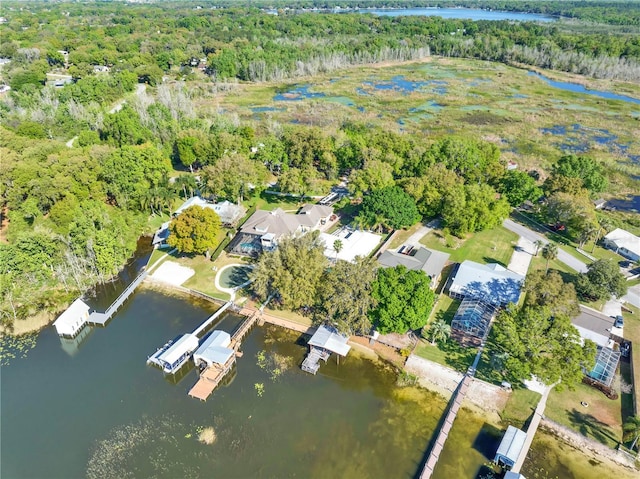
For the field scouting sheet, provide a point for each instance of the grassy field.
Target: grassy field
(529, 120)
(490, 246)
(520, 407)
(600, 420)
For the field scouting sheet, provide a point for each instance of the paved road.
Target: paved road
(532, 236)
(633, 296)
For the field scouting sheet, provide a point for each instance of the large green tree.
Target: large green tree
(549, 290)
(345, 297)
(602, 280)
(588, 170)
(404, 298)
(195, 230)
(291, 274)
(538, 343)
(388, 208)
(518, 186)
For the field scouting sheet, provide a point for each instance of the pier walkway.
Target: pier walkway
(454, 407)
(100, 319)
(532, 429)
(211, 377)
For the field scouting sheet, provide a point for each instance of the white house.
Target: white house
(73, 319)
(623, 243)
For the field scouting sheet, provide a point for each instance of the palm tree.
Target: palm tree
(632, 429)
(605, 226)
(588, 233)
(439, 331)
(337, 247)
(550, 252)
(538, 244)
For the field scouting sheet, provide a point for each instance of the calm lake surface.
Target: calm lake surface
(461, 13)
(92, 408)
(96, 410)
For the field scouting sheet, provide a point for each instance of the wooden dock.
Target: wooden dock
(456, 402)
(211, 377)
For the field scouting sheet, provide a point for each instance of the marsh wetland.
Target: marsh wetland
(532, 118)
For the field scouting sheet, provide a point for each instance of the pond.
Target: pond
(461, 13)
(576, 88)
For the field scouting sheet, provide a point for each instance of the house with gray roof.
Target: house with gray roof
(418, 259)
(623, 243)
(263, 230)
(594, 325)
(490, 283)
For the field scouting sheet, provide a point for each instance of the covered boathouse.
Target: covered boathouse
(510, 447)
(214, 350)
(325, 340)
(71, 322)
(175, 353)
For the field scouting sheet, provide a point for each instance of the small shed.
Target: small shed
(510, 447)
(214, 349)
(173, 357)
(73, 319)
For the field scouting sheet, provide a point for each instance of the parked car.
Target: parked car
(619, 322)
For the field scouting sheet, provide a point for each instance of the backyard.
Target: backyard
(490, 246)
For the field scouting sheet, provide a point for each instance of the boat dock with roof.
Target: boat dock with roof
(325, 340)
(175, 353)
(217, 356)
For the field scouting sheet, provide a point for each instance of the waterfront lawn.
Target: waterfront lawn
(601, 420)
(520, 406)
(489, 246)
(448, 353)
(632, 333)
(289, 315)
(204, 278)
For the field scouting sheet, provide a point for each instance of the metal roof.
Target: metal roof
(214, 349)
(624, 239)
(491, 283)
(187, 343)
(329, 338)
(75, 314)
(511, 446)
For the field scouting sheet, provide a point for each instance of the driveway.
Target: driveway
(566, 258)
(414, 239)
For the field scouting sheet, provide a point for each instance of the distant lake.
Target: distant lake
(461, 13)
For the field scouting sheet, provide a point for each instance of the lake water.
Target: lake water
(91, 407)
(95, 409)
(461, 13)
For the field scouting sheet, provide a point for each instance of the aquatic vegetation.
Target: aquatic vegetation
(259, 387)
(207, 435)
(12, 347)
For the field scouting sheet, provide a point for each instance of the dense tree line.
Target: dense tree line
(248, 44)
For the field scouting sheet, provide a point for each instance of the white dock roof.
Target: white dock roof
(330, 339)
(75, 316)
(214, 349)
(185, 344)
(511, 446)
